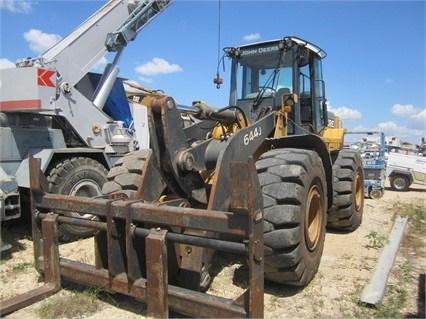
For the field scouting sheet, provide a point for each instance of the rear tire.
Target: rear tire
(348, 198)
(294, 190)
(78, 176)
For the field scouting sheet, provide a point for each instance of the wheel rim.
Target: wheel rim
(399, 183)
(359, 191)
(376, 193)
(313, 220)
(85, 188)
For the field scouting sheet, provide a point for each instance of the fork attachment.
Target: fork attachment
(131, 256)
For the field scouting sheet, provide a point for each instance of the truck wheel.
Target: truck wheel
(348, 198)
(124, 176)
(78, 176)
(294, 191)
(399, 183)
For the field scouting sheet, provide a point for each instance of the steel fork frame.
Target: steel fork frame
(119, 260)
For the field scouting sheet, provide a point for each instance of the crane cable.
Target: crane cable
(218, 80)
(218, 33)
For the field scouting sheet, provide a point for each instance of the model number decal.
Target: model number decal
(249, 137)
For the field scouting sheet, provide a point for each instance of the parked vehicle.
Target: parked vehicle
(79, 123)
(403, 170)
(308, 181)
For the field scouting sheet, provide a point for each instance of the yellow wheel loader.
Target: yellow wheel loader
(264, 176)
(277, 115)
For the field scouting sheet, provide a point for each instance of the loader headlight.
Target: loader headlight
(289, 101)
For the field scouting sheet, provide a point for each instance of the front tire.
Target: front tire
(78, 176)
(294, 190)
(124, 177)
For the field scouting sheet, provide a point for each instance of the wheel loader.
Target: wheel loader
(271, 152)
(277, 114)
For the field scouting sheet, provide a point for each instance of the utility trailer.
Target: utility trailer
(372, 146)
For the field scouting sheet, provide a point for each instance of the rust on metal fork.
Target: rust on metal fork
(132, 260)
(52, 277)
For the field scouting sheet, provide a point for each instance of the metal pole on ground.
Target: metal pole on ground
(374, 291)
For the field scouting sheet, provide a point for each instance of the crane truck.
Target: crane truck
(78, 122)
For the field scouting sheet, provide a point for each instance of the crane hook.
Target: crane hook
(217, 80)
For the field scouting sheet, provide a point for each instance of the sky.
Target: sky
(374, 71)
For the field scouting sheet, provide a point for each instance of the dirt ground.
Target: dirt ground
(348, 263)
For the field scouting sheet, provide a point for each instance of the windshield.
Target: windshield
(263, 67)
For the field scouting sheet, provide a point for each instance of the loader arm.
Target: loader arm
(243, 144)
(181, 159)
(169, 142)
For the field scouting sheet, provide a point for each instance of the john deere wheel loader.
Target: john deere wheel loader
(262, 177)
(277, 114)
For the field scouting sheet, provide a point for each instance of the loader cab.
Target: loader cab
(262, 72)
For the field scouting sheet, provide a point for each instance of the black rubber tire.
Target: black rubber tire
(125, 175)
(79, 176)
(399, 183)
(294, 191)
(124, 178)
(348, 185)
